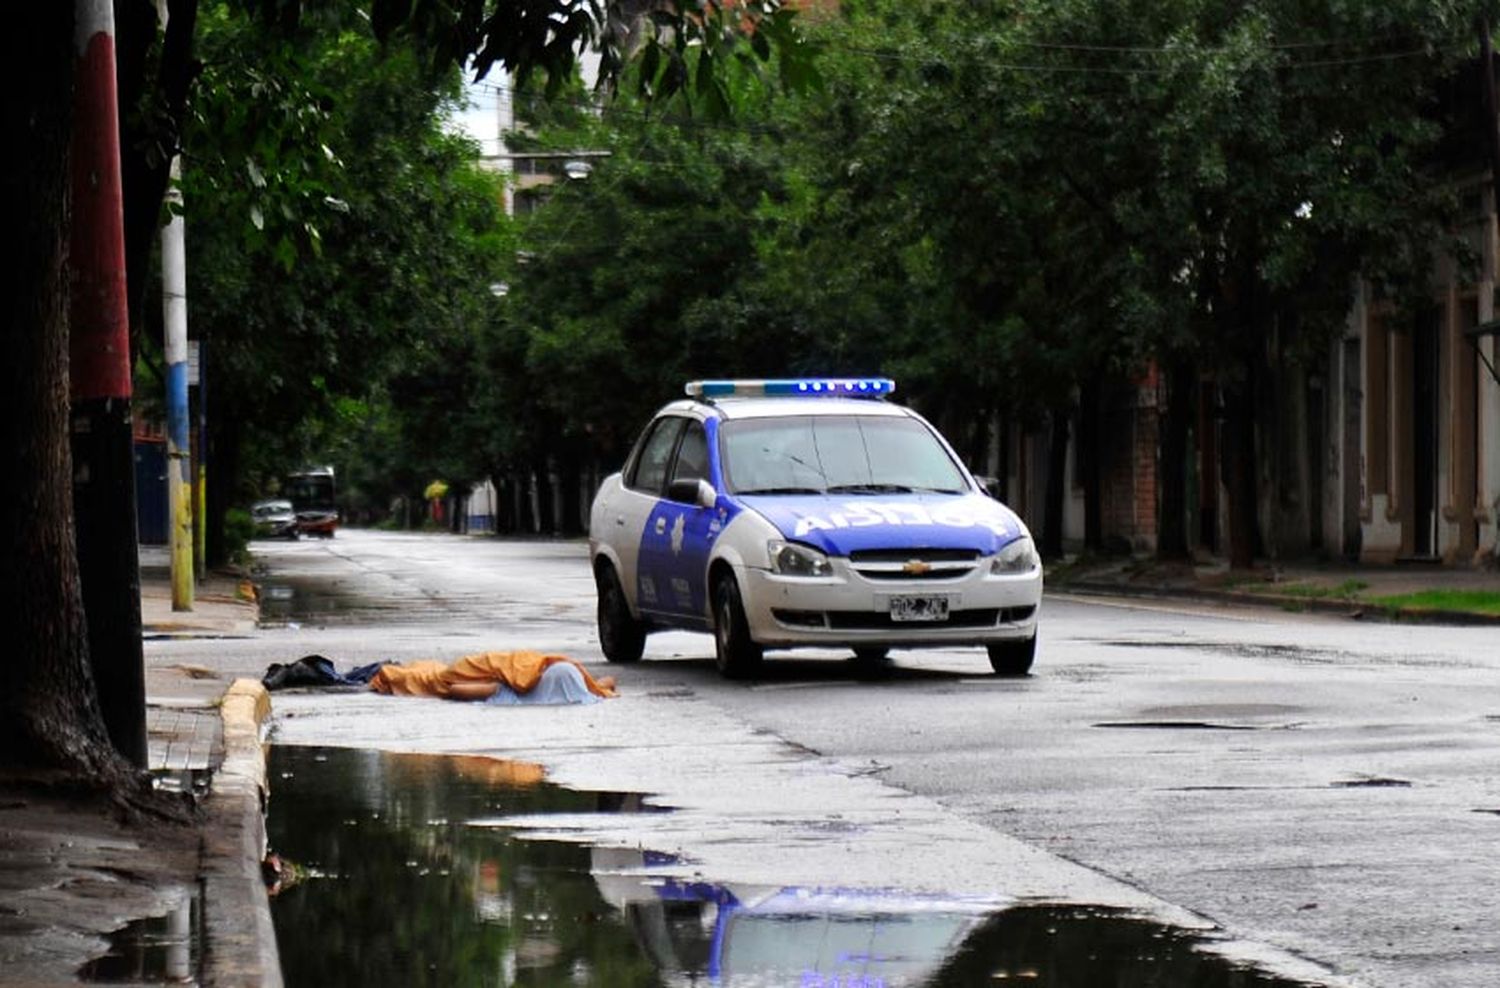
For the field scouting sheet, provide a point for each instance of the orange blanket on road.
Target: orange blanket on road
(521, 671)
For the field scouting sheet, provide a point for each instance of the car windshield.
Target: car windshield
(836, 454)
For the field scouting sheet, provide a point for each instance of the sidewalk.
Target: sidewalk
(85, 896)
(1416, 592)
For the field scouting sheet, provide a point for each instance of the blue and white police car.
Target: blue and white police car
(810, 512)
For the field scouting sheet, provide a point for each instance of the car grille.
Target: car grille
(979, 617)
(913, 564)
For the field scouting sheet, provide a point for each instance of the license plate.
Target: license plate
(919, 608)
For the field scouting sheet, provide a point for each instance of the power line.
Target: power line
(1213, 49)
(928, 57)
(1290, 45)
(615, 109)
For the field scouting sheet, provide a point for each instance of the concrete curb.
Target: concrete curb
(1352, 609)
(241, 940)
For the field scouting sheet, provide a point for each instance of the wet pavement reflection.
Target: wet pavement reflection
(387, 884)
(165, 949)
(291, 601)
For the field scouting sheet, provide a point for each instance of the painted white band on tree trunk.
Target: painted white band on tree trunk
(93, 17)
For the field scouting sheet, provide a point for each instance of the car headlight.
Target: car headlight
(1018, 557)
(795, 559)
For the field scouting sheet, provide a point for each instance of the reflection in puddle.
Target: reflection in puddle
(291, 600)
(398, 890)
(193, 782)
(157, 950)
(302, 600)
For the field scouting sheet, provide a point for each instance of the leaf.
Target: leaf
(257, 218)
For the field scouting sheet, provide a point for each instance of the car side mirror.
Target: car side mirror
(991, 485)
(692, 490)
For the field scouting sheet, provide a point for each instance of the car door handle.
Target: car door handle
(619, 519)
(661, 525)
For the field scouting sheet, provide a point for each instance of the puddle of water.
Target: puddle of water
(157, 950)
(295, 600)
(395, 888)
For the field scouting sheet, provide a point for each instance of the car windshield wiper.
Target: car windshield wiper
(869, 489)
(780, 490)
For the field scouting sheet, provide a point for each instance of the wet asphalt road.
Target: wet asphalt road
(1319, 789)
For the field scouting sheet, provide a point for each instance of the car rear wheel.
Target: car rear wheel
(622, 638)
(735, 652)
(1012, 658)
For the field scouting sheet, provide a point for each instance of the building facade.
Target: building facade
(1429, 468)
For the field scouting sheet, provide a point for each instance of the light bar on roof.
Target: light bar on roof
(794, 387)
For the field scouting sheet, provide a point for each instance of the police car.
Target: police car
(810, 512)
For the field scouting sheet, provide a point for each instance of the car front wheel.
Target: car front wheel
(622, 638)
(735, 653)
(1012, 658)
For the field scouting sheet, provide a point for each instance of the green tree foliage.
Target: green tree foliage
(1010, 205)
(1256, 161)
(325, 172)
(623, 277)
(348, 254)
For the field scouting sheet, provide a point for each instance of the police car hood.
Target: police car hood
(839, 524)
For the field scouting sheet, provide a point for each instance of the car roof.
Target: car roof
(746, 408)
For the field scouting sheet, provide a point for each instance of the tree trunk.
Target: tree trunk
(225, 429)
(1003, 469)
(501, 480)
(1172, 543)
(1057, 466)
(1089, 412)
(1239, 461)
(570, 475)
(49, 711)
(546, 521)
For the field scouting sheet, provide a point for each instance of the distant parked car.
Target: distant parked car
(274, 520)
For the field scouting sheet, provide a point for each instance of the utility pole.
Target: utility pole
(99, 372)
(179, 458)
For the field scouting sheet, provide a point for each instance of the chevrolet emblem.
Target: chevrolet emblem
(915, 567)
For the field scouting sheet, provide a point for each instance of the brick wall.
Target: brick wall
(1128, 449)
